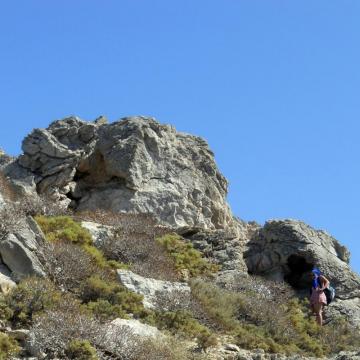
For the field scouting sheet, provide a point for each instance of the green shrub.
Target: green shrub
(180, 322)
(8, 347)
(104, 310)
(101, 260)
(5, 312)
(186, 257)
(81, 350)
(114, 297)
(30, 297)
(66, 229)
(221, 306)
(63, 228)
(234, 312)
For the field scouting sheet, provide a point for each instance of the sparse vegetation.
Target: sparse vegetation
(81, 350)
(32, 296)
(273, 325)
(133, 243)
(8, 347)
(62, 229)
(69, 313)
(186, 258)
(109, 299)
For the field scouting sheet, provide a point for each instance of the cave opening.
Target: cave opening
(298, 272)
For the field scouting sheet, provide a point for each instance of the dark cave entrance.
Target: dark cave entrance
(298, 272)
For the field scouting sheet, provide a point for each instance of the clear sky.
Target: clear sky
(272, 85)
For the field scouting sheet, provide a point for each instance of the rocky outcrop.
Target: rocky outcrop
(133, 165)
(20, 250)
(154, 291)
(289, 249)
(224, 246)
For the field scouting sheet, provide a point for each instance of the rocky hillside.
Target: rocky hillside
(116, 242)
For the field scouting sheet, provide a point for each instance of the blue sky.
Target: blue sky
(272, 85)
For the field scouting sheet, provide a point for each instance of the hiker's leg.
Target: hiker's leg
(312, 307)
(318, 311)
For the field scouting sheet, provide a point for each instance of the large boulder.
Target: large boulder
(289, 249)
(133, 165)
(20, 250)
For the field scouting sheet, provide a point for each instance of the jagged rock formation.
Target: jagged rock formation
(289, 249)
(133, 165)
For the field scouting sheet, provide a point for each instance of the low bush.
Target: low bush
(338, 336)
(186, 257)
(32, 296)
(64, 229)
(258, 320)
(8, 347)
(108, 299)
(68, 265)
(81, 350)
(161, 349)
(182, 323)
(53, 330)
(43, 205)
(137, 247)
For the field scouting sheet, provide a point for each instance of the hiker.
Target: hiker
(318, 297)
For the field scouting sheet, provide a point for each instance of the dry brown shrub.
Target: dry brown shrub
(53, 330)
(173, 300)
(68, 265)
(42, 205)
(134, 243)
(161, 350)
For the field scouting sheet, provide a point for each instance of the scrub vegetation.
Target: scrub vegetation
(69, 312)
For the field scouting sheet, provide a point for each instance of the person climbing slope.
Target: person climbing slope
(318, 297)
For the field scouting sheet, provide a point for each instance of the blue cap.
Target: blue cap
(316, 272)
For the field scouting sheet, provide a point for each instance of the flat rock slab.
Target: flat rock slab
(138, 328)
(152, 289)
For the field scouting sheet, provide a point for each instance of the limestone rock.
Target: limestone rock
(152, 289)
(20, 260)
(289, 249)
(2, 201)
(99, 232)
(6, 282)
(138, 328)
(133, 165)
(224, 247)
(20, 250)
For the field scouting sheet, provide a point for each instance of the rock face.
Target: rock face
(133, 165)
(289, 249)
(20, 250)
